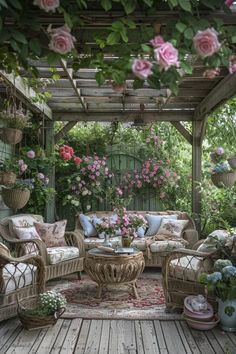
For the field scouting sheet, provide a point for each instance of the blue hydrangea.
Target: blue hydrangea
(229, 271)
(222, 263)
(214, 277)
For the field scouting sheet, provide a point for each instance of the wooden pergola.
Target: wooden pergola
(76, 96)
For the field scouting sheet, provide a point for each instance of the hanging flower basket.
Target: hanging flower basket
(11, 135)
(15, 198)
(7, 178)
(226, 179)
(232, 162)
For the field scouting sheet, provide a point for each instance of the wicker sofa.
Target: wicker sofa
(20, 278)
(57, 262)
(155, 257)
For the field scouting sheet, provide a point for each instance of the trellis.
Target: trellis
(77, 97)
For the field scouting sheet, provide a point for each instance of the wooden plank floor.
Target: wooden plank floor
(114, 337)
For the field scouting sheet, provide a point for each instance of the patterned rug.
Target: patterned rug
(116, 301)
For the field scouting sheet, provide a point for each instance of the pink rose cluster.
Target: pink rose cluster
(42, 178)
(128, 224)
(22, 166)
(47, 5)
(153, 139)
(232, 64)
(67, 153)
(61, 40)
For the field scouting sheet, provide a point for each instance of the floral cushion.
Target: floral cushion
(173, 228)
(189, 267)
(91, 242)
(17, 276)
(20, 220)
(60, 254)
(28, 233)
(154, 222)
(165, 246)
(210, 243)
(52, 234)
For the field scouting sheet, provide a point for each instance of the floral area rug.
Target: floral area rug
(117, 302)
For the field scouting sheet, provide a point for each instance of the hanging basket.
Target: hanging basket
(10, 135)
(226, 179)
(15, 198)
(7, 178)
(232, 162)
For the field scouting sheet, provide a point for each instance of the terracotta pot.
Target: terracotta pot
(11, 135)
(15, 198)
(226, 179)
(7, 178)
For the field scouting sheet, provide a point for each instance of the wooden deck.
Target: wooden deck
(114, 337)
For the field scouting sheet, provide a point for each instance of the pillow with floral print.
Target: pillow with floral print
(172, 228)
(28, 233)
(52, 234)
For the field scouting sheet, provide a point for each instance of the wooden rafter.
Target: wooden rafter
(64, 130)
(183, 131)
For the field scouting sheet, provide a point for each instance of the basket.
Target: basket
(7, 178)
(226, 179)
(15, 198)
(10, 135)
(232, 162)
(31, 321)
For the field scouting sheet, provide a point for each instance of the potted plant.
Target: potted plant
(8, 172)
(222, 175)
(17, 195)
(15, 121)
(43, 311)
(223, 283)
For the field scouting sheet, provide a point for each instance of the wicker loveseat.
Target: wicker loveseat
(20, 278)
(58, 261)
(155, 256)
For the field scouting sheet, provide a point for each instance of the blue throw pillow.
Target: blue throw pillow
(86, 223)
(154, 222)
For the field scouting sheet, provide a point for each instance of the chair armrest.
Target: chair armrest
(76, 239)
(191, 235)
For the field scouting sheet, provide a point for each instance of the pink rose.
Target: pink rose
(23, 167)
(77, 160)
(166, 56)
(142, 68)
(62, 41)
(232, 64)
(40, 175)
(211, 73)
(30, 154)
(157, 41)
(229, 2)
(47, 5)
(206, 42)
(21, 162)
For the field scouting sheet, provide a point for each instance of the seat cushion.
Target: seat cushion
(140, 244)
(165, 246)
(189, 267)
(17, 276)
(60, 254)
(91, 242)
(213, 240)
(52, 234)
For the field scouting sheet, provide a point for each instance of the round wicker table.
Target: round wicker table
(113, 269)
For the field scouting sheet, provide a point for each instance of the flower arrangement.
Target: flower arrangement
(222, 281)
(128, 224)
(16, 118)
(107, 225)
(67, 153)
(49, 303)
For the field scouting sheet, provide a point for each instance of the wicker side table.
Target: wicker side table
(111, 269)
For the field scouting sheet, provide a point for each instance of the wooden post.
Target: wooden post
(50, 207)
(196, 172)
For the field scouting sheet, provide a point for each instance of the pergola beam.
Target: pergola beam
(183, 131)
(23, 91)
(127, 116)
(61, 134)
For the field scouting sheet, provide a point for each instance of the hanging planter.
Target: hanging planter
(232, 162)
(11, 135)
(7, 178)
(15, 198)
(225, 179)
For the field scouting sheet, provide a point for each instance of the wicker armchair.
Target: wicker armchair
(180, 275)
(74, 264)
(20, 278)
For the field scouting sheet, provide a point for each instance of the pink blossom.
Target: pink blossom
(220, 151)
(61, 41)
(47, 5)
(66, 156)
(46, 180)
(229, 2)
(30, 154)
(166, 56)
(21, 162)
(77, 160)
(142, 68)
(97, 173)
(232, 64)
(40, 175)
(206, 42)
(157, 41)
(23, 167)
(211, 73)
(167, 173)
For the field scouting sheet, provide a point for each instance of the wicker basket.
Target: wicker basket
(15, 198)
(31, 321)
(10, 135)
(226, 179)
(7, 178)
(232, 162)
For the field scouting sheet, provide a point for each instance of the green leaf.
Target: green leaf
(14, 45)
(174, 3)
(124, 36)
(68, 19)
(187, 67)
(3, 3)
(233, 39)
(1, 24)
(137, 83)
(180, 26)
(53, 58)
(188, 33)
(146, 48)
(35, 46)
(113, 38)
(148, 2)
(16, 4)
(185, 5)
(106, 4)
(129, 5)
(19, 37)
(100, 78)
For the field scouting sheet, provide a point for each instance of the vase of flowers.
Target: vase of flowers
(41, 312)
(106, 228)
(223, 283)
